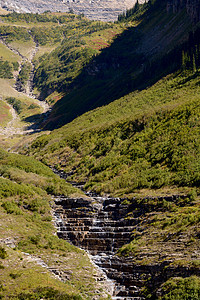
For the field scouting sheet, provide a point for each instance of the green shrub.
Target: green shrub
(17, 105)
(24, 73)
(14, 275)
(11, 207)
(13, 33)
(5, 69)
(182, 289)
(15, 65)
(47, 293)
(3, 253)
(129, 249)
(33, 106)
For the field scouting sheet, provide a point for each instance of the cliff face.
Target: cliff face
(192, 8)
(96, 10)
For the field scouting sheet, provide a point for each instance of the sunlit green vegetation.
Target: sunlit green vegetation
(76, 39)
(11, 33)
(145, 142)
(181, 289)
(24, 74)
(27, 170)
(17, 104)
(5, 70)
(26, 221)
(150, 142)
(7, 55)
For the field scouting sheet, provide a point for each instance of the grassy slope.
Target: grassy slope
(145, 144)
(150, 146)
(7, 54)
(7, 89)
(25, 48)
(25, 212)
(5, 115)
(29, 106)
(119, 151)
(26, 224)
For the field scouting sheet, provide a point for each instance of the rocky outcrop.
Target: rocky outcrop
(95, 10)
(95, 225)
(102, 225)
(99, 226)
(192, 7)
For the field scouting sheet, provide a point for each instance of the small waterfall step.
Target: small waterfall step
(101, 227)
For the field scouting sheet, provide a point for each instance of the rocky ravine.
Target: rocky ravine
(12, 127)
(102, 225)
(94, 9)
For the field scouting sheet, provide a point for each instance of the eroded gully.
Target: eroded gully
(12, 127)
(99, 226)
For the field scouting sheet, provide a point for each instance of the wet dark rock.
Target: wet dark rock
(102, 225)
(93, 225)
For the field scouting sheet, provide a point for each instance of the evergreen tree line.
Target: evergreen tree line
(184, 57)
(136, 10)
(191, 52)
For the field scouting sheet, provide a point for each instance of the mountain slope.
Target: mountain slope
(96, 10)
(34, 262)
(146, 139)
(135, 60)
(143, 147)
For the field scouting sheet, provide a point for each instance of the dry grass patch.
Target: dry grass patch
(5, 115)
(7, 54)
(25, 48)
(3, 11)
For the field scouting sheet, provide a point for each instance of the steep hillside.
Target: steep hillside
(147, 139)
(34, 263)
(137, 139)
(24, 46)
(145, 149)
(136, 59)
(142, 148)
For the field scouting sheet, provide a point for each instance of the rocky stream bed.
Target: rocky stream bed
(100, 226)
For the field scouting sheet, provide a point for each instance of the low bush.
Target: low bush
(3, 253)
(16, 103)
(181, 289)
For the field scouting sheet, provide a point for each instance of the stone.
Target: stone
(103, 10)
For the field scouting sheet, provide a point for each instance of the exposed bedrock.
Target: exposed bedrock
(94, 225)
(96, 10)
(101, 226)
(192, 7)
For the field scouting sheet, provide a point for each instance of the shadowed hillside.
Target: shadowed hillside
(136, 59)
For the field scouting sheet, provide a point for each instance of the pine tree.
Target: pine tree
(194, 68)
